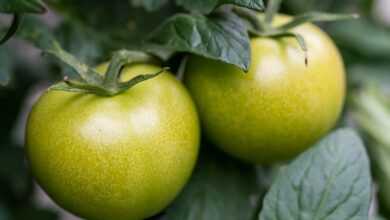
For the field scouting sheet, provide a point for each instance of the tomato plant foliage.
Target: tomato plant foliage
(150, 5)
(22, 6)
(329, 181)
(221, 36)
(206, 6)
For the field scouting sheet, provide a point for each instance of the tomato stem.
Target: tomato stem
(137, 79)
(272, 9)
(251, 17)
(108, 84)
(86, 73)
(263, 27)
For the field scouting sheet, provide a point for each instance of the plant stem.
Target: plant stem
(272, 9)
(251, 17)
(87, 74)
(315, 16)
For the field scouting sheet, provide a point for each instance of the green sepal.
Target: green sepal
(62, 86)
(299, 38)
(119, 60)
(140, 78)
(80, 87)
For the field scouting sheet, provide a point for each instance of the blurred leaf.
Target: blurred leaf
(363, 38)
(371, 112)
(329, 181)
(126, 27)
(22, 6)
(302, 6)
(221, 37)
(85, 44)
(40, 35)
(363, 74)
(381, 159)
(158, 50)
(5, 66)
(12, 29)
(13, 171)
(220, 189)
(37, 33)
(207, 6)
(150, 5)
(4, 213)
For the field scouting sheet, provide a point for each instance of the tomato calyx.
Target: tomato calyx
(262, 26)
(108, 84)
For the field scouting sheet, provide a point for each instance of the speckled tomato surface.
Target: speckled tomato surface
(280, 107)
(121, 157)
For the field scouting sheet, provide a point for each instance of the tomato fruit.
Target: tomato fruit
(281, 106)
(120, 157)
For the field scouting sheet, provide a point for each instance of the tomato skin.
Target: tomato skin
(280, 107)
(121, 157)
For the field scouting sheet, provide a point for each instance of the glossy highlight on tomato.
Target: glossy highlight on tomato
(281, 106)
(120, 157)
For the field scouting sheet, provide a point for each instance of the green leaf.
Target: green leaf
(22, 6)
(221, 188)
(149, 5)
(330, 181)
(207, 6)
(221, 37)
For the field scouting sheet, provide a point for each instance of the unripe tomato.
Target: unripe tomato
(281, 106)
(120, 157)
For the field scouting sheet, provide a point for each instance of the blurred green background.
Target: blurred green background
(90, 29)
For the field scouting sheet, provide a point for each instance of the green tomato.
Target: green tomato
(121, 157)
(281, 106)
